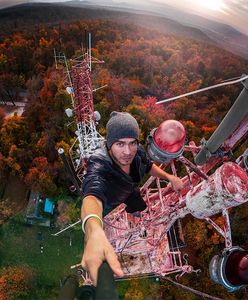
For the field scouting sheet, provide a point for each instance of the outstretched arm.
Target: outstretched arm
(175, 181)
(97, 247)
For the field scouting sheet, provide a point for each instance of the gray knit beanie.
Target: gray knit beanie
(121, 125)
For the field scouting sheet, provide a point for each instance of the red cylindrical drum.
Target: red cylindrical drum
(227, 187)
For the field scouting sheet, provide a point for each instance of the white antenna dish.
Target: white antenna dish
(97, 116)
(69, 90)
(69, 112)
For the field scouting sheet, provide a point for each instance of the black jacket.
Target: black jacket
(105, 180)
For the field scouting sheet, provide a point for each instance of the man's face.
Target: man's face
(123, 151)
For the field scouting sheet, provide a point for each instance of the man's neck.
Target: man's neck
(126, 169)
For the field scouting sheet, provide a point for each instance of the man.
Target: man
(113, 175)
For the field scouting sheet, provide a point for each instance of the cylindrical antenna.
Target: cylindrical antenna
(85, 41)
(90, 51)
(236, 114)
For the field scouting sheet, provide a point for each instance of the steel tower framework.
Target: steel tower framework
(79, 86)
(82, 99)
(148, 244)
(143, 242)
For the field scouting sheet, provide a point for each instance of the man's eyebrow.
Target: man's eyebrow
(126, 142)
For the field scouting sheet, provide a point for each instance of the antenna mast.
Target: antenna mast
(79, 86)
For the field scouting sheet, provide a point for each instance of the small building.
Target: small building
(38, 209)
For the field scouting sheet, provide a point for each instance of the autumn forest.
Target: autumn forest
(141, 66)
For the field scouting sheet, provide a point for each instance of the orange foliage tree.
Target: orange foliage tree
(40, 176)
(15, 281)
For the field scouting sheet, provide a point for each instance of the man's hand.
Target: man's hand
(97, 247)
(176, 182)
(97, 250)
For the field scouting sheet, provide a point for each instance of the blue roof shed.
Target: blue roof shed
(49, 206)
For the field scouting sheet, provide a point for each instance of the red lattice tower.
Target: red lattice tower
(82, 100)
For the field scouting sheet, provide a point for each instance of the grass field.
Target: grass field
(20, 244)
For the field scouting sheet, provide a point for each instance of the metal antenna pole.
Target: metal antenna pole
(242, 78)
(236, 114)
(90, 51)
